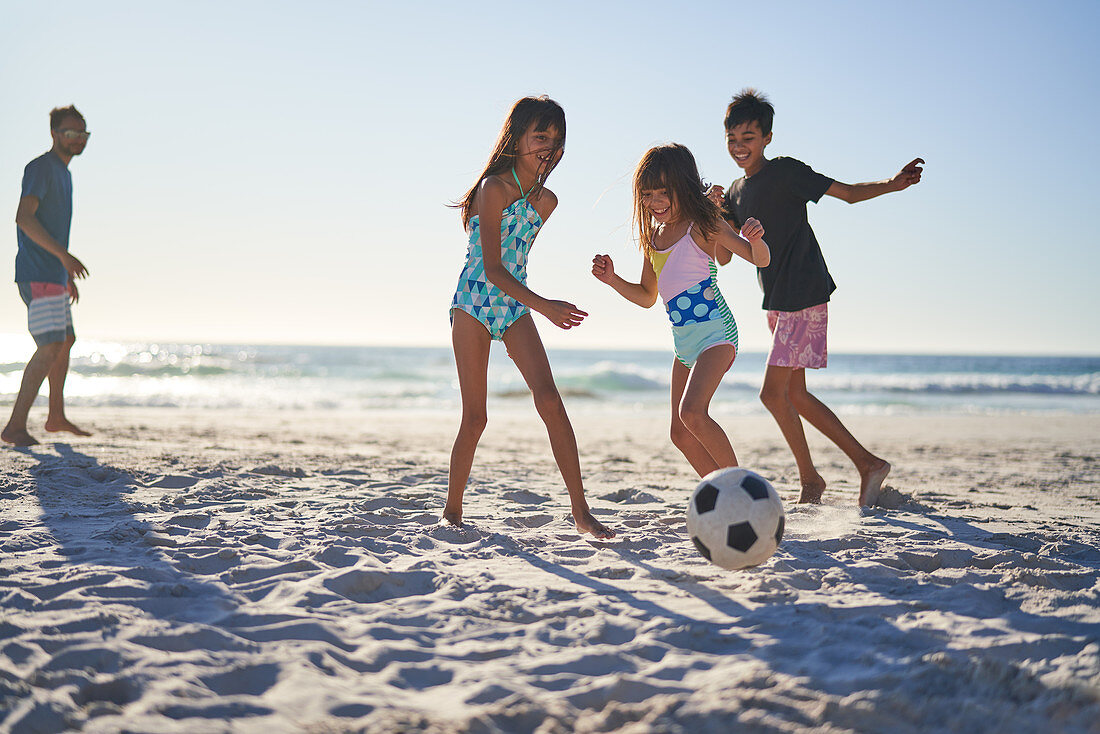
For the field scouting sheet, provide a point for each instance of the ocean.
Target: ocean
(223, 376)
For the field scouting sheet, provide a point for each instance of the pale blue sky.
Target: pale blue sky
(278, 172)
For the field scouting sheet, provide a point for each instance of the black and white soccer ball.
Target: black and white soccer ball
(735, 518)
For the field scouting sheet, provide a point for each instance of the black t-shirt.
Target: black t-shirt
(797, 277)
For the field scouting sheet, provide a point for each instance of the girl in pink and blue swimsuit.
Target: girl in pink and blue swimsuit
(683, 237)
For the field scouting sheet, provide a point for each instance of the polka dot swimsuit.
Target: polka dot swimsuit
(687, 279)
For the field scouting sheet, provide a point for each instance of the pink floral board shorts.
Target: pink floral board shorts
(798, 338)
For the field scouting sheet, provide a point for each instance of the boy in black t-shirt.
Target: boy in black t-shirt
(796, 283)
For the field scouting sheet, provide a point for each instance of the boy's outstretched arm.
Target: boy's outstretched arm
(853, 193)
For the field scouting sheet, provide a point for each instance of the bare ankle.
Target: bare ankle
(812, 489)
(587, 523)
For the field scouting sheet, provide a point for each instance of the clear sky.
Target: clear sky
(279, 172)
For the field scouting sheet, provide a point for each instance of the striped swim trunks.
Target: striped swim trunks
(49, 317)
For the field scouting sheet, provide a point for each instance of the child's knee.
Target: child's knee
(474, 421)
(693, 416)
(773, 396)
(800, 398)
(548, 401)
(678, 432)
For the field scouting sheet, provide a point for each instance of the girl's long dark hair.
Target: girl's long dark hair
(672, 167)
(542, 111)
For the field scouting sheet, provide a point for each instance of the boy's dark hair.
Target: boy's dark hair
(749, 105)
(58, 115)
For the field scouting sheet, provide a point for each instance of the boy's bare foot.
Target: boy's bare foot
(454, 517)
(62, 424)
(812, 489)
(588, 524)
(870, 482)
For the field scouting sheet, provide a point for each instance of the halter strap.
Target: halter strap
(522, 194)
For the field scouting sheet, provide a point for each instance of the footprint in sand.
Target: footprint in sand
(613, 573)
(194, 521)
(174, 481)
(448, 533)
(275, 470)
(252, 680)
(529, 521)
(525, 497)
(371, 586)
(629, 497)
(418, 678)
(119, 692)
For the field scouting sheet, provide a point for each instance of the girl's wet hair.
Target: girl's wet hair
(545, 113)
(672, 167)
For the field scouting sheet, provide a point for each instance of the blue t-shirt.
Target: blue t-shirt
(48, 179)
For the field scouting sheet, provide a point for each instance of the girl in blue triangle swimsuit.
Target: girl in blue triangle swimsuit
(682, 236)
(502, 213)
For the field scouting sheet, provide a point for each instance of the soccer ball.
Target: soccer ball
(735, 518)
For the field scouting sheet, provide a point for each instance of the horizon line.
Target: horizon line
(550, 348)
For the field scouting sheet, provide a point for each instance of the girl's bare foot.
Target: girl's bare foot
(454, 517)
(812, 489)
(871, 478)
(56, 425)
(588, 524)
(18, 437)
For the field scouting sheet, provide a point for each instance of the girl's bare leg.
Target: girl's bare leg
(872, 470)
(526, 350)
(471, 342)
(775, 394)
(682, 438)
(694, 410)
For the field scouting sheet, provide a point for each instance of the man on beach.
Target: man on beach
(46, 274)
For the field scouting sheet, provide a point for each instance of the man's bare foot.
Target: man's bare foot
(870, 482)
(588, 524)
(454, 517)
(18, 437)
(56, 425)
(812, 489)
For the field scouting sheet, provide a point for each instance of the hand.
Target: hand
(74, 267)
(562, 314)
(715, 194)
(753, 230)
(908, 175)
(74, 293)
(603, 268)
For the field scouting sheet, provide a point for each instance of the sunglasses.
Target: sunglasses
(74, 134)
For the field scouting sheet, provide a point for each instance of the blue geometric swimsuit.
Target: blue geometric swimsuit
(519, 223)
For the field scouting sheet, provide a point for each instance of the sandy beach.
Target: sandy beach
(234, 571)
